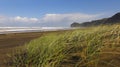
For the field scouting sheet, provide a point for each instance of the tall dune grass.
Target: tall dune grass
(78, 48)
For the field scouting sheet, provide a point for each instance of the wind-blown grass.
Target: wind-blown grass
(78, 48)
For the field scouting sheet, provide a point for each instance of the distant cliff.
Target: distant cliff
(112, 20)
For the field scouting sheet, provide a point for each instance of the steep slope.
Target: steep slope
(112, 20)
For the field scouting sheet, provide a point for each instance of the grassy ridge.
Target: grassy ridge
(78, 48)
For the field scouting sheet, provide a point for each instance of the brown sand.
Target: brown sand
(10, 41)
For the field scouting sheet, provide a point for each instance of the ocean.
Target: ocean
(6, 30)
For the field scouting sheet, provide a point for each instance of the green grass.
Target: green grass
(78, 48)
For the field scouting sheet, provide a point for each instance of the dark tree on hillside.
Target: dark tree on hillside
(75, 24)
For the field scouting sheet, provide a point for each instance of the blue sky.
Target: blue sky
(54, 12)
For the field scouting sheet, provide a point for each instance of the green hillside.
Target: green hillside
(115, 19)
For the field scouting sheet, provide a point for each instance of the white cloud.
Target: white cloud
(0, 17)
(24, 19)
(49, 19)
(78, 17)
(3, 19)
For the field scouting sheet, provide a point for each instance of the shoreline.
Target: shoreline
(6, 30)
(10, 41)
(33, 31)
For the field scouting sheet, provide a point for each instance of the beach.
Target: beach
(76, 41)
(10, 41)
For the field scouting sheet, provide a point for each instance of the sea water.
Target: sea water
(6, 30)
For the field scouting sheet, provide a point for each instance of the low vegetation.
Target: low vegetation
(85, 47)
(115, 19)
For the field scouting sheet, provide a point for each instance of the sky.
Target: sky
(54, 13)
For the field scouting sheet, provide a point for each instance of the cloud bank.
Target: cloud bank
(24, 19)
(48, 19)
